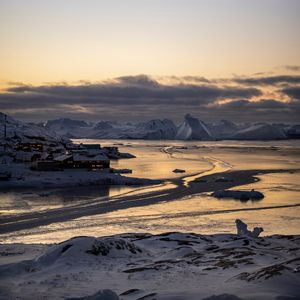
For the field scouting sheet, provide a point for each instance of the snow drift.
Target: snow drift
(184, 266)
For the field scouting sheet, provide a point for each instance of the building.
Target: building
(99, 161)
(111, 149)
(29, 147)
(46, 165)
(81, 161)
(91, 146)
(24, 156)
(47, 156)
(6, 158)
(112, 152)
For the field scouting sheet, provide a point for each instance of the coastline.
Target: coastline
(210, 184)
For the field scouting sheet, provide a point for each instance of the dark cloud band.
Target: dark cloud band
(134, 97)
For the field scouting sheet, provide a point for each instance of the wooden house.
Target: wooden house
(46, 165)
(29, 147)
(80, 161)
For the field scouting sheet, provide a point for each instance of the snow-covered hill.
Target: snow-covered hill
(26, 132)
(69, 128)
(166, 266)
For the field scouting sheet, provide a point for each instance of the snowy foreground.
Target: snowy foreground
(145, 266)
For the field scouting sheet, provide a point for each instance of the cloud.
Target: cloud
(262, 104)
(130, 90)
(292, 68)
(263, 110)
(292, 92)
(189, 79)
(139, 80)
(269, 80)
(135, 98)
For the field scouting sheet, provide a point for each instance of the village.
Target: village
(39, 156)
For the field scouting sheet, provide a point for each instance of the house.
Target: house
(47, 156)
(112, 152)
(23, 156)
(46, 165)
(91, 146)
(6, 158)
(64, 159)
(81, 161)
(90, 150)
(111, 149)
(29, 147)
(99, 161)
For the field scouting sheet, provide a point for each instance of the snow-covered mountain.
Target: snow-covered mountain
(152, 130)
(65, 122)
(193, 129)
(259, 132)
(156, 129)
(69, 128)
(26, 132)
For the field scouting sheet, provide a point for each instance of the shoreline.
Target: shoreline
(75, 178)
(208, 184)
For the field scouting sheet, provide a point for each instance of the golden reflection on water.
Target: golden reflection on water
(155, 164)
(198, 213)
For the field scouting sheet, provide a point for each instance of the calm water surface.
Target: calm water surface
(199, 213)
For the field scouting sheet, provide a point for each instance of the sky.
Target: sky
(131, 60)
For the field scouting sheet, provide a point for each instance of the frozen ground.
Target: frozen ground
(144, 266)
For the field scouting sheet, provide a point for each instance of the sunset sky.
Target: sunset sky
(216, 58)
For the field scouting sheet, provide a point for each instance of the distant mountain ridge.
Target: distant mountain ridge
(154, 129)
(190, 129)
